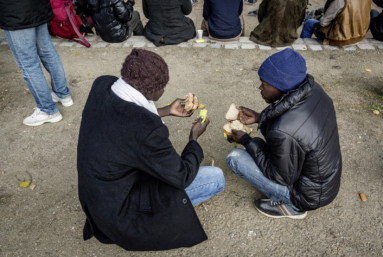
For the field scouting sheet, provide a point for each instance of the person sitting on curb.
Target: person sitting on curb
(299, 165)
(223, 20)
(134, 188)
(25, 25)
(278, 22)
(343, 22)
(167, 23)
(376, 25)
(115, 20)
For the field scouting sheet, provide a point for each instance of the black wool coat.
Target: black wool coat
(376, 25)
(24, 14)
(110, 18)
(167, 20)
(302, 148)
(131, 180)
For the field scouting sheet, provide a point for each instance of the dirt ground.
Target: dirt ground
(48, 220)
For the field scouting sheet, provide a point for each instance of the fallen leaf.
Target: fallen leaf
(216, 70)
(89, 74)
(3, 172)
(363, 197)
(368, 70)
(376, 112)
(359, 142)
(18, 71)
(32, 187)
(201, 106)
(240, 69)
(194, 56)
(24, 184)
(77, 53)
(72, 49)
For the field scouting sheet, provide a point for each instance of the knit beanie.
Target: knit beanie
(146, 71)
(284, 70)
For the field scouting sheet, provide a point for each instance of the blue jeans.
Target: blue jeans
(208, 183)
(374, 14)
(308, 28)
(243, 165)
(27, 45)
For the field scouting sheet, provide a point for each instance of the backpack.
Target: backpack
(66, 23)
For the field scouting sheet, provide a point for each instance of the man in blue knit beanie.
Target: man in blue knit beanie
(299, 164)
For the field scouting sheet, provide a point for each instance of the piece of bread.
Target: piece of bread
(192, 104)
(237, 125)
(232, 113)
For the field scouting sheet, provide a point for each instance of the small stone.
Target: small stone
(262, 47)
(349, 48)
(380, 47)
(376, 112)
(231, 46)
(139, 44)
(215, 45)
(32, 187)
(316, 47)
(248, 46)
(300, 47)
(366, 46)
(332, 57)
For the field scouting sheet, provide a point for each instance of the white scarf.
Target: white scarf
(126, 92)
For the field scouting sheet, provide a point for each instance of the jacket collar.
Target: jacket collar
(288, 100)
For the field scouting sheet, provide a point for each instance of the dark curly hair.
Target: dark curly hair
(145, 71)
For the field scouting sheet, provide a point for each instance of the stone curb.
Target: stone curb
(244, 43)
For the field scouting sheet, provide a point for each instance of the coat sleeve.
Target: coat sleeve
(186, 7)
(145, 9)
(280, 160)
(206, 10)
(123, 10)
(332, 12)
(160, 159)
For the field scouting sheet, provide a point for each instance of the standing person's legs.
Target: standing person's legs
(243, 165)
(23, 44)
(135, 25)
(308, 28)
(52, 62)
(208, 183)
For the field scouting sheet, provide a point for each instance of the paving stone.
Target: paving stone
(231, 46)
(215, 45)
(299, 47)
(331, 48)
(136, 39)
(312, 41)
(139, 44)
(374, 41)
(101, 44)
(262, 47)
(199, 44)
(316, 47)
(126, 44)
(67, 44)
(364, 41)
(283, 48)
(231, 42)
(184, 44)
(299, 41)
(366, 46)
(57, 39)
(115, 44)
(245, 40)
(349, 48)
(150, 45)
(4, 43)
(380, 47)
(248, 46)
(92, 38)
(80, 45)
(56, 43)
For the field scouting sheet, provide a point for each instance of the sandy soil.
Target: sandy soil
(48, 221)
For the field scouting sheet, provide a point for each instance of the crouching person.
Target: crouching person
(298, 166)
(134, 188)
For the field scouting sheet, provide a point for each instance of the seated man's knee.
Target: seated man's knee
(233, 158)
(219, 177)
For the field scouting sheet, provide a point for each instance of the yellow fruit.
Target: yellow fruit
(376, 112)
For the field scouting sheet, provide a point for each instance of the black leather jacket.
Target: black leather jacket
(302, 148)
(111, 18)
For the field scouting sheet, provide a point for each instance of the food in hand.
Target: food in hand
(237, 125)
(232, 113)
(192, 104)
(204, 114)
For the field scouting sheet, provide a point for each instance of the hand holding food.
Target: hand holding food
(247, 116)
(198, 128)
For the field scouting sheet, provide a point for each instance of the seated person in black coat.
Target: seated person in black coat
(115, 20)
(167, 23)
(376, 25)
(134, 188)
(299, 165)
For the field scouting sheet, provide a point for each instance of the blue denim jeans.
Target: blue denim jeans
(374, 14)
(27, 45)
(308, 28)
(243, 165)
(208, 183)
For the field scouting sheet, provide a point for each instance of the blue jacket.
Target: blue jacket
(223, 17)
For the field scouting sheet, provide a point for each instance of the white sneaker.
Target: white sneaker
(66, 102)
(39, 118)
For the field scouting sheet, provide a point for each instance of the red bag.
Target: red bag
(66, 23)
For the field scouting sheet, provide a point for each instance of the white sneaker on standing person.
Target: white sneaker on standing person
(25, 26)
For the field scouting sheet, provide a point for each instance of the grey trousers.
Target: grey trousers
(135, 25)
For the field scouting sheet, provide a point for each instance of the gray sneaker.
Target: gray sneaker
(278, 210)
(66, 102)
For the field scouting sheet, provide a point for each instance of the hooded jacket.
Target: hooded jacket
(376, 25)
(111, 18)
(302, 149)
(24, 14)
(350, 26)
(278, 22)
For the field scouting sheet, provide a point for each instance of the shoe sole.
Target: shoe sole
(64, 104)
(297, 217)
(57, 119)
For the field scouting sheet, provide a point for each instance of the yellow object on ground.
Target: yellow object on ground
(200, 41)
